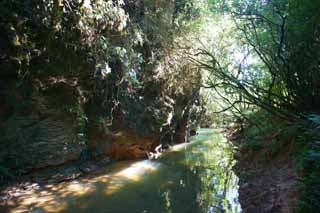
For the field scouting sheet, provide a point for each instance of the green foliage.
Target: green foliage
(267, 134)
(315, 120)
(273, 56)
(274, 148)
(307, 161)
(5, 174)
(253, 144)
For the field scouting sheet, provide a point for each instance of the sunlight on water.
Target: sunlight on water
(193, 177)
(133, 173)
(136, 170)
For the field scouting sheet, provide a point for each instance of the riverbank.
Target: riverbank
(267, 183)
(277, 164)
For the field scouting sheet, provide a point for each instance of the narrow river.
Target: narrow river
(194, 177)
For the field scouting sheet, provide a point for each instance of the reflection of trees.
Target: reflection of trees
(180, 194)
(167, 200)
(213, 165)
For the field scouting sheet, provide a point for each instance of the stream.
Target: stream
(193, 177)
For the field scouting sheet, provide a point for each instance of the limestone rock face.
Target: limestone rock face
(39, 132)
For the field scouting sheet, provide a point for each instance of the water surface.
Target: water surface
(194, 177)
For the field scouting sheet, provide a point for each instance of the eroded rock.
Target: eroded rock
(41, 132)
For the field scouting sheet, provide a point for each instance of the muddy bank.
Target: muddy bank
(268, 182)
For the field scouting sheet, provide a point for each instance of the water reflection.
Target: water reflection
(194, 177)
(209, 159)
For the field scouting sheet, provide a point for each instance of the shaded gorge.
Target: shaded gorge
(192, 177)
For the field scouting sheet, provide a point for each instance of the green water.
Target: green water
(194, 177)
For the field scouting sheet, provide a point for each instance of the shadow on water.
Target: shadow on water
(193, 177)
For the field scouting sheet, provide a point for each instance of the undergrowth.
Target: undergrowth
(307, 161)
(265, 133)
(272, 137)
